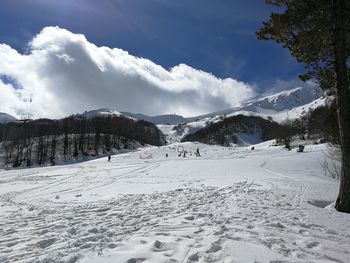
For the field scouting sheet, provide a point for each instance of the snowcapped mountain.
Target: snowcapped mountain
(5, 118)
(285, 100)
(104, 112)
(289, 104)
(168, 119)
(280, 106)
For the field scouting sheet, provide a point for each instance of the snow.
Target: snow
(280, 116)
(247, 139)
(169, 119)
(5, 118)
(105, 112)
(229, 205)
(284, 102)
(291, 102)
(288, 99)
(171, 135)
(288, 104)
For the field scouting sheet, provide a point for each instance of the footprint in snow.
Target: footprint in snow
(214, 248)
(277, 225)
(200, 230)
(312, 244)
(332, 232)
(46, 242)
(193, 258)
(159, 246)
(135, 260)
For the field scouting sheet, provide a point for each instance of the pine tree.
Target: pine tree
(317, 33)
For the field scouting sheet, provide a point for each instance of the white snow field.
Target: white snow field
(229, 205)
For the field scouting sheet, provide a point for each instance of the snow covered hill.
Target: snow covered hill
(290, 104)
(6, 118)
(229, 205)
(167, 119)
(104, 112)
(285, 100)
(278, 106)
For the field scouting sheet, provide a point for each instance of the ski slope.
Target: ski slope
(229, 205)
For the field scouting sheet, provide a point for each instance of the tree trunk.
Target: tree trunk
(343, 107)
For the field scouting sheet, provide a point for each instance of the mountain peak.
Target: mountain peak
(286, 100)
(102, 112)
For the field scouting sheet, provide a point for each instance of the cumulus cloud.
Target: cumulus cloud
(63, 73)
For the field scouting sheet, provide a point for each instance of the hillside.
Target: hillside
(285, 100)
(45, 141)
(236, 130)
(167, 119)
(103, 112)
(6, 118)
(291, 104)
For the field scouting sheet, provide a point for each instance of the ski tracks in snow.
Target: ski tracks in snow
(261, 220)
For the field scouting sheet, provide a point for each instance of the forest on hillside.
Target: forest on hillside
(320, 123)
(43, 141)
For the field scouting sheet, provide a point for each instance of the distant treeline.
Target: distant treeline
(45, 141)
(223, 132)
(320, 123)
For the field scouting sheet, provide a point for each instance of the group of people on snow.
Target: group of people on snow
(183, 153)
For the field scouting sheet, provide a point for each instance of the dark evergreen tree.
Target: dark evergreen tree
(317, 32)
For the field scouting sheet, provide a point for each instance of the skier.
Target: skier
(109, 158)
(197, 153)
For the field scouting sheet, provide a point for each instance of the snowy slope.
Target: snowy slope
(292, 102)
(168, 119)
(285, 104)
(277, 104)
(281, 102)
(285, 100)
(104, 112)
(230, 205)
(289, 104)
(5, 118)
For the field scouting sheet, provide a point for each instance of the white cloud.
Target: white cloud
(63, 73)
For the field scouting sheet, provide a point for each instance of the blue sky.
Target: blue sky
(214, 36)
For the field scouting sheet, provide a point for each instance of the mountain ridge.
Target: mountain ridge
(279, 106)
(6, 118)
